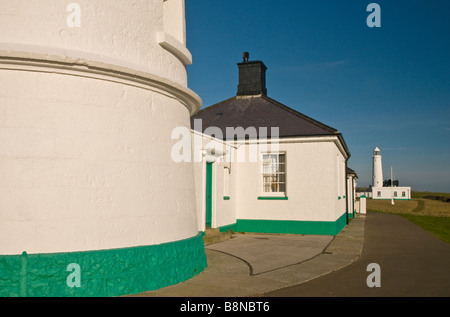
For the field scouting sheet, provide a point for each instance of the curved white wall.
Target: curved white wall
(86, 116)
(121, 30)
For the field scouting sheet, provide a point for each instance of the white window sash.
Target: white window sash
(271, 176)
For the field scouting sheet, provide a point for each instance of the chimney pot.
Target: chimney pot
(245, 56)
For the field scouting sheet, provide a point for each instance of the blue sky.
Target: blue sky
(387, 87)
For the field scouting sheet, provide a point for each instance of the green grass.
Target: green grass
(415, 194)
(420, 206)
(438, 226)
(430, 214)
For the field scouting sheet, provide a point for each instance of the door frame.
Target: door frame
(209, 195)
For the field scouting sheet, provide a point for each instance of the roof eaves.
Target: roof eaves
(344, 144)
(213, 106)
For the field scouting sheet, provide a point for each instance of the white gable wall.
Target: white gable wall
(312, 189)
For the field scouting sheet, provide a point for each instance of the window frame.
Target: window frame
(278, 194)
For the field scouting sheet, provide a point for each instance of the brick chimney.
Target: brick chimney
(252, 77)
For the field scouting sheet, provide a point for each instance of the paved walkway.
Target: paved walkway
(254, 264)
(412, 263)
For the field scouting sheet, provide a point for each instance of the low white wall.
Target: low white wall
(389, 192)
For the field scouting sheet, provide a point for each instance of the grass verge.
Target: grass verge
(438, 226)
(429, 214)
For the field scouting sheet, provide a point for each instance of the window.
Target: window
(395, 194)
(274, 173)
(378, 194)
(403, 194)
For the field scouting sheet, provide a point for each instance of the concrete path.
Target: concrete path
(412, 263)
(252, 265)
(264, 253)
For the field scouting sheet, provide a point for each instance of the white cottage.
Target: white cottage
(91, 202)
(267, 167)
(351, 192)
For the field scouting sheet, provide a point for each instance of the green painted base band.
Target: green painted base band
(272, 198)
(102, 273)
(232, 227)
(391, 198)
(288, 227)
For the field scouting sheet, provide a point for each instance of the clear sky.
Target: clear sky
(386, 87)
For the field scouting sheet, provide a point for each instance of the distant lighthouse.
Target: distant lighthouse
(392, 192)
(377, 172)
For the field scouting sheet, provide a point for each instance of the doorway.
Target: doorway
(208, 216)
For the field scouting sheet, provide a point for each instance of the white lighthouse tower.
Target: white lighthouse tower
(390, 192)
(377, 172)
(87, 181)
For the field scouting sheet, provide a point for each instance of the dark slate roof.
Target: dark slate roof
(251, 108)
(351, 171)
(258, 112)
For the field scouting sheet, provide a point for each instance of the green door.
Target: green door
(208, 194)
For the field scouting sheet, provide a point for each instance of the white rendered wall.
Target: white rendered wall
(85, 147)
(116, 31)
(174, 22)
(351, 194)
(315, 181)
(388, 192)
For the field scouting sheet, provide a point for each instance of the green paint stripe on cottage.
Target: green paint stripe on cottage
(228, 228)
(272, 198)
(395, 198)
(288, 226)
(102, 273)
